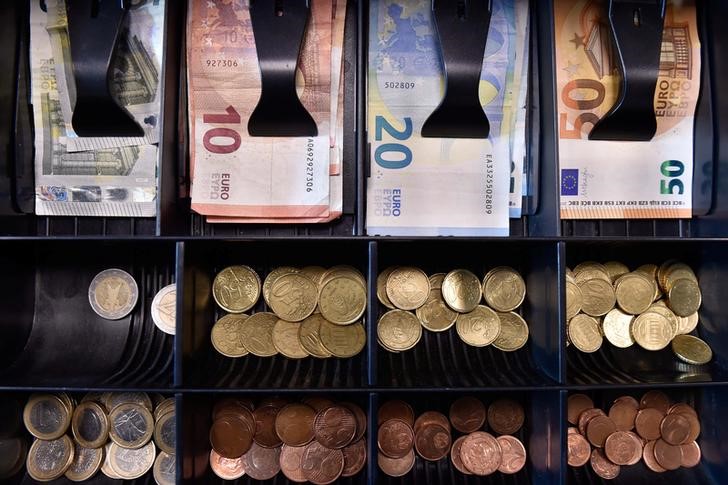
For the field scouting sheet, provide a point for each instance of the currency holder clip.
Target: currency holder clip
(279, 27)
(462, 27)
(93, 30)
(636, 27)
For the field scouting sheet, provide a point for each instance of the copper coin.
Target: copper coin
(433, 442)
(577, 404)
(675, 429)
(690, 454)
(694, 426)
(237, 411)
(467, 414)
(395, 438)
(230, 437)
(656, 400)
(505, 416)
(647, 423)
(481, 453)
(318, 403)
(321, 465)
(578, 449)
(276, 402)
(262, 463)
(226, 468)
(572, 429)
(433, 417)
(334, 427)
(599, 429)
(628, 399)
(639, 444)
(587, 416)
(294, 424)
(361, 419)
(602, 466)
(648, 455)
(513, 454)
(231, 403)
(668, 456)
(355, 457)
(623, 414)
(396, 410)
(621, 448)
(265, 426)
(396, 467)
(455, 456)
(290, 461)
(682, 408)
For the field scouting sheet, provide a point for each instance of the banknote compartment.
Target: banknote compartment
(442, 358)
(204, 367)
(52, 336)
(710, 404)
(612, 365)
(197, 419)
(539, 435)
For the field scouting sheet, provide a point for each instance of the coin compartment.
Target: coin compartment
(442, 358)
(709, 261)
(204, 367)
(709, 403)
(52, 336)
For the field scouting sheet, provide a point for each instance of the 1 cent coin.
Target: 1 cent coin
(505, 416)
(481, 453)
(226, 468)
(396, 467)
(577, 404)
(355, 457)
(467, 414)
(602, 466)
(578, 449)
(395, 438)
(261, 463)
(432, 442)
(514, 454)
(290, 461)
(265, 426)
(231, 437)
(647, 423)
(456, 458)
(396, 410)
(334, 427)
(294, 424)
(321, 465)
(668, 456)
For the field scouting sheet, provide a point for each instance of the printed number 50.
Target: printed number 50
(672, 169)
(397, 155)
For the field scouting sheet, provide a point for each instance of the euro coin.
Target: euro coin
(256, 334)
(343, 341)
(86, 463)
(309, 336)
(276, 273)
(293, 297)
(408, 288)
(435, 315)
(49, 459)
(504, 290)
(479, 327)
(113, 294)
(236, 289)
(616, 326)
(585, 333)
(165, 432)
(597, 297)
(461, 290)
(164, 309)
(227, 335)
(691, 350)
(131, 425)
(342, 300)
(382, 287)
(634, 293)
(615, 269)
(684, 297)
(399, 330)
(513, 334)
(90, 425)
(285, 339)
(46, 417)
(131, 464)
(573, 299)
(652, 331)
(164, 469)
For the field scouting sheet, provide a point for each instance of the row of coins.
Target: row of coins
(652, 306)
(113, 294)
(443, 300)
(316, 312)
(401, 437)
(653, 429)
(315, 440)
(129, 419)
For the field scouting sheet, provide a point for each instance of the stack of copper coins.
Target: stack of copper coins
(401, 438)
(316, 439)
(653, 429)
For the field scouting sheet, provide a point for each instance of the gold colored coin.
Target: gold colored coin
(113, 294)
(479, 327)
(164, 469)
(343, 341)
(293, 297)
(314, 273)
(573, 299)
(635, 293)
(684, 297)
(408, 287)
(662, 273)
(399, 330)
(86, 463)
(49, 459)
(131, 464)
(687, 324)
(615, 269)
(616, 328)
(597, 297)
(256, 334)
(585, 334)
(227, 336)
(342, 300)
(435, 315)
(343, 270)
(274, 274)
(504, 290)
(672, 319)
(131, 425)
(106, 465)
(90, 425)
(589, 265)
(436, 281)
(236, 288)
(691, 350)
(461, 290)
(46, 416)
(309, 335)
(513, 333)
(382, 287)
(652, 331)
(592, 273)
(285, 339)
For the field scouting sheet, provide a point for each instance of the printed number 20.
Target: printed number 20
(673, 169)
(388, 149)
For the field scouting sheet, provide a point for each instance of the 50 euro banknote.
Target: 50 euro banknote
(624, 179)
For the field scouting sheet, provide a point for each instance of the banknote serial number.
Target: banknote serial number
(399, 85)
(222, 63)
(309, 165)
(489, 175)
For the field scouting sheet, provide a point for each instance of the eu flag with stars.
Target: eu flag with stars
(570, 181)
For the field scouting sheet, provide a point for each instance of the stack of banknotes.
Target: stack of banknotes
(95, 176)
(244, 179)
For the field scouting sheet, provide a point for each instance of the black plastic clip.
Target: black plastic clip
(278, 27)
(636, 27)
(462, 27)
(93, 31)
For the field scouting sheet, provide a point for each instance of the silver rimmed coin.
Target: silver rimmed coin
(113, 294)
(164, 309)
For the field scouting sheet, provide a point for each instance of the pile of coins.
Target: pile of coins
(652, 306)
(316, 312)
(443, 300)
(315, 440)
(664, 434)
(401, 437)
(131, 420)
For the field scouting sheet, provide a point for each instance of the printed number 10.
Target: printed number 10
(672, 169)
(402, 154)
(233, 118)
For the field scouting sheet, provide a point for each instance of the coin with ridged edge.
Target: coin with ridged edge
(131, 464)
(382, 287)
(585, 334)
(293, 297)
(691, 350)
(285, 339)
(462, 290)
(343, 341)
(634, 293)
(130, 425)
(652, 331)
(46, 417)
(399, 330)
(684, 297)
(479, 327)
(597, 297)
(435, 315)
(164, 469)
(227, 336)
(113, 294)
(236, 289)
(48, 460)
(407, 287)
(513, 333)
(616, 327)
(256, 334)
(573, 300)
(342, 300)
(164, 309)
(309, 336)
(504, 290)
(86, 463)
